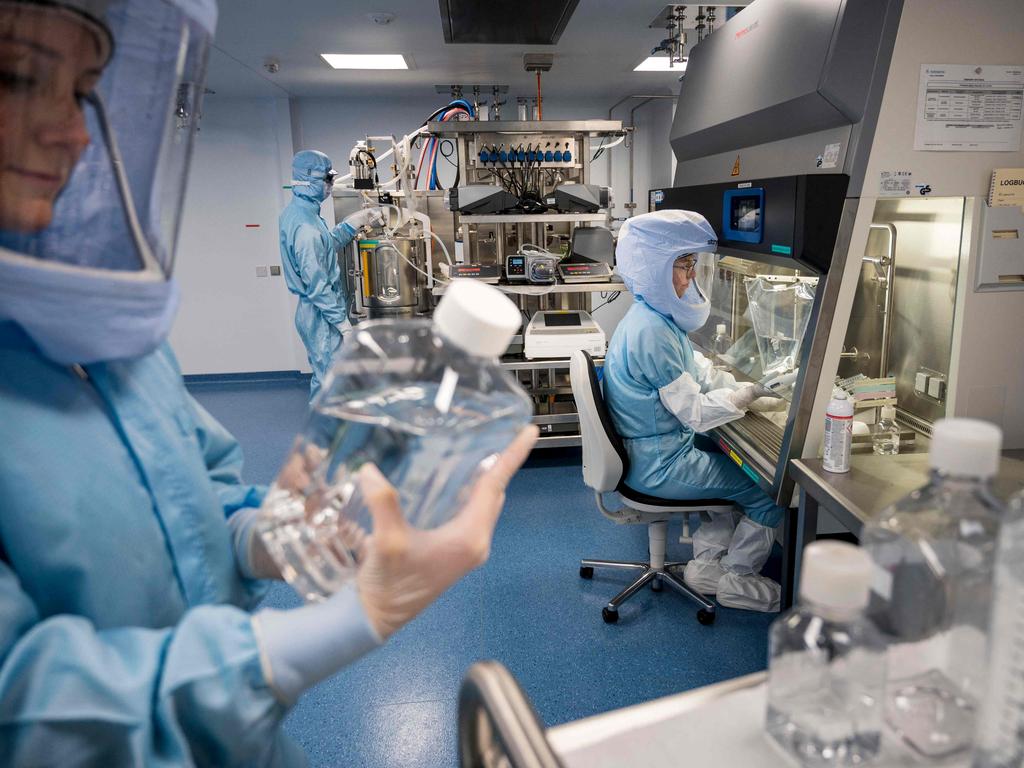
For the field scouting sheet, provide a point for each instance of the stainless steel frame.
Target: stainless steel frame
(488, 238)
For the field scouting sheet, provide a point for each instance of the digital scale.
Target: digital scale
(585, 272)
(486, 273)
(557, 334)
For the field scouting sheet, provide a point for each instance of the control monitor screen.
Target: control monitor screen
(745, 215)
(562, 320)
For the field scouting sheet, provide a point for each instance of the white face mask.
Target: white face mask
(692, 309)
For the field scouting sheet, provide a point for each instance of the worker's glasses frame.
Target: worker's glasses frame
(688, 265)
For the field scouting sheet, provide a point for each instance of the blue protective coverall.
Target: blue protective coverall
(309, 259)
(647, 354)
(663, 395)
(124, 635)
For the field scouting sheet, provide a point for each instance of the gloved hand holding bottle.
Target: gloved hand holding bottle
(402, 570)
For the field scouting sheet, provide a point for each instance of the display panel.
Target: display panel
(743, 215)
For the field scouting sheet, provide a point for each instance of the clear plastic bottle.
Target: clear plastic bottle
(1000, 738)
(932, 590)
(826, 669)
(720, 346)
(426, 402)
(885, 437)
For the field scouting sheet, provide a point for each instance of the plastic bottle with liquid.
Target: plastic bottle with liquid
(885, 436)
(720, 345)
(1000, 738)
(826, 670)
(427, 402)
(933, 555)
(838, 433)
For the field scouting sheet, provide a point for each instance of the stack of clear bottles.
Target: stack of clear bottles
(933, 555)
(427, 403)
(826, 669)
(1000, 739)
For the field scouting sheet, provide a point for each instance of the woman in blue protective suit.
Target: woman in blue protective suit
(127, 556)
(309, 259)
(663, 394)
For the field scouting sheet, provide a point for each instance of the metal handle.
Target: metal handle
(497, 724)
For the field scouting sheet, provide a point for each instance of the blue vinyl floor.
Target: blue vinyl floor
(527, 608)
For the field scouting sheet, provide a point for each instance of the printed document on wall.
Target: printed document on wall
(970, 108)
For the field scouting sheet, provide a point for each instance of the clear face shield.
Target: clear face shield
(99, 103)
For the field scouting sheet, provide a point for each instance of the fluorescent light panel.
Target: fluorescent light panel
(365, 60)
(658, 64)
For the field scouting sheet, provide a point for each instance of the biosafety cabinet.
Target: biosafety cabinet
(844, 151)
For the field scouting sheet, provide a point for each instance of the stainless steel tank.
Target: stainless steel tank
(392, 281)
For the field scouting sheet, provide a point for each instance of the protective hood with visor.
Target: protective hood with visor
(647, 249)
(312, 175)
(99, 105)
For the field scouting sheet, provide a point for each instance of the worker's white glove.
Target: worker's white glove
(344, 328)
(402, 570)
(772, 404)
(744, 395)
(405, 568)
(367, 217)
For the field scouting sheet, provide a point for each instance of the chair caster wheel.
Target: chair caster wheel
(656, 585)
(609, 615)
(586, 572)
(707, 618)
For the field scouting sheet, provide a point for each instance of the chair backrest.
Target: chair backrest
(605, 461)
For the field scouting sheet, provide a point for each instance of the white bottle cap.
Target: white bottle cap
(836, 576)
(889, 412)
(966, 447)
(720, 328)
(477, 318)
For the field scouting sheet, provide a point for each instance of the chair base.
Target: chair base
(655, 576)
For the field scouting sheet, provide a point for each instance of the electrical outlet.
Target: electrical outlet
(262, 272)
(275, 271)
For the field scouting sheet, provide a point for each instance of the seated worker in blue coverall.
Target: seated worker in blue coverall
(663, 394)
(309, 260)
(128, 560)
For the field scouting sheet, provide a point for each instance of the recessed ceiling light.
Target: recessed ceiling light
(365, 60)
(659, 64)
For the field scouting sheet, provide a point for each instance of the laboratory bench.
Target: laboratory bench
(852, 498)
(718, 725)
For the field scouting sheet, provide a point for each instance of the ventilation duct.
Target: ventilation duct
(503, 22)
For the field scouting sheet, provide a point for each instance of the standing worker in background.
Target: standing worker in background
(662, 394)
(309, 258)
(128, 558)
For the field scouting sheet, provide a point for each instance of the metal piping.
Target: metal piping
(618, 104)
(631, 206)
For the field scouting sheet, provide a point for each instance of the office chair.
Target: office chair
(605, 466)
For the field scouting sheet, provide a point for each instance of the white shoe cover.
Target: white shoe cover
(703, 575)
(749, 592)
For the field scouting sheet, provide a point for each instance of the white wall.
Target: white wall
(231, 321)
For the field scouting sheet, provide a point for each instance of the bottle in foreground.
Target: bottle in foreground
(933, 554)
(826, 667)
(425, 402)
(1000, 740)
